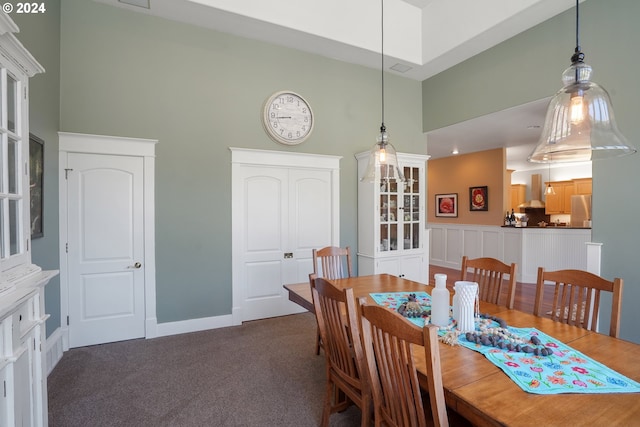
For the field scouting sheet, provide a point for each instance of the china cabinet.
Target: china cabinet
(391, 221)
(23, 399)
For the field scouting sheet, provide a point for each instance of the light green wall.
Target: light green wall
(40, 34)
(528, 67)
(199, 92)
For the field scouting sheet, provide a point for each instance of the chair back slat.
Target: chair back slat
(490, 273)
(333, 262)
(576, 298)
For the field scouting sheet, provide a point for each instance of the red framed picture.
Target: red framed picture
(447, 205)
(478, 198)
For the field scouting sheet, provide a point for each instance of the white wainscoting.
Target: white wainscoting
(530, 248)
(54, 349)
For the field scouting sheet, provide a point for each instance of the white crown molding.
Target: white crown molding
(14, 51)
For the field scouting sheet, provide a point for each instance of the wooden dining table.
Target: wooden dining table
(483, 394)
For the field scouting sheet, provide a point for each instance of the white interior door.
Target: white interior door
(105, 248)
(280, 214)
(310, 222)
(265, 205)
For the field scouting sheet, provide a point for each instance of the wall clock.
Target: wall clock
(287, 118)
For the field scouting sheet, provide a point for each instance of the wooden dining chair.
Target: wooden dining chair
(334, 262)
(576, 298)
(346, 371)
(490, 273)
(389, 341)
(331, 263)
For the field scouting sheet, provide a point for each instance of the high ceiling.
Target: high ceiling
(421, 39)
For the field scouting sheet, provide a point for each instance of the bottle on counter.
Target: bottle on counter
(440, 301)
(513, 219)
(507, 219)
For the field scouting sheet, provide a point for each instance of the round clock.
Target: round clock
(287, 118)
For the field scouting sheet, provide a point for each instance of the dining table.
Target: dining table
(483, 394)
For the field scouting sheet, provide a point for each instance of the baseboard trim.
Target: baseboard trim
(193, 325)
(56, 343)
(54, 348)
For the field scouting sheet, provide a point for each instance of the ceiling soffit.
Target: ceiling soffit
(428, 36)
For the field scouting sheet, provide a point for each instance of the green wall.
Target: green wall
(40, 34)
(529, 67)
(199, 92)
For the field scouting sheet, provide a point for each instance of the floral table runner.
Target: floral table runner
(564, 370)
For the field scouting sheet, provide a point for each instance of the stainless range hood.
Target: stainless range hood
(536, 193)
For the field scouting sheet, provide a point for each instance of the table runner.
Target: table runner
(564, 371)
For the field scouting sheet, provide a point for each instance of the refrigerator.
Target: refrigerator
(581, 210)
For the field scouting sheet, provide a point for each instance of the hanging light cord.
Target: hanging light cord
(578, 56)
(382, 127)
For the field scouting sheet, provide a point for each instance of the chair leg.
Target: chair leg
(318, 342)
(326, 409)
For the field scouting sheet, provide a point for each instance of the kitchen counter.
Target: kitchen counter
(552, 247)
(550, 227)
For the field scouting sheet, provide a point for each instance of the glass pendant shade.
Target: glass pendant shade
(549, 190)
(383, 161)
(579, 124)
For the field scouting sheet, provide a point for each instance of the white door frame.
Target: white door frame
(101, 144)
(244, 156)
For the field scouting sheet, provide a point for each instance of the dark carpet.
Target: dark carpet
(263, 373)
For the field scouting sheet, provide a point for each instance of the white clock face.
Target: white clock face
(287, 118)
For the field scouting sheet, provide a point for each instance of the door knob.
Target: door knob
(136, 265)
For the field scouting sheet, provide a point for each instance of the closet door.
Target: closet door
(279, 215)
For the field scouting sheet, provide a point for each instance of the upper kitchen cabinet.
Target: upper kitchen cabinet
(583, 185)
(518, 196)
(391, 221)
(560, 203)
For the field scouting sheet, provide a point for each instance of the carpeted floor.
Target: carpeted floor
(263, 373)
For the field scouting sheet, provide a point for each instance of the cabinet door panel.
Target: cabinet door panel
(388, 266)
(569, 190)
(22, 389)
(413, 268)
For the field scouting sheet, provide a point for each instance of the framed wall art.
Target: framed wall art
(478, 198)
(36, 171)
(447, 205)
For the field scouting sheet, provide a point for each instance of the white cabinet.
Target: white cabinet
(22, 371)
(391, 221)
(23, 396)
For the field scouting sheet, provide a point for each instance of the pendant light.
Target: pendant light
(549, 190)
(383, 161)
(579, 125)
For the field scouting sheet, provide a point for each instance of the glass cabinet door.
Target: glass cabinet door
(389, 209)
(400, 212)
(411, 208)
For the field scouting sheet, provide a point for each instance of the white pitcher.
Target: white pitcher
(466, 305)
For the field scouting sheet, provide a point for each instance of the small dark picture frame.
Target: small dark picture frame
(36, 173)
(478, 198)
(447, 205)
